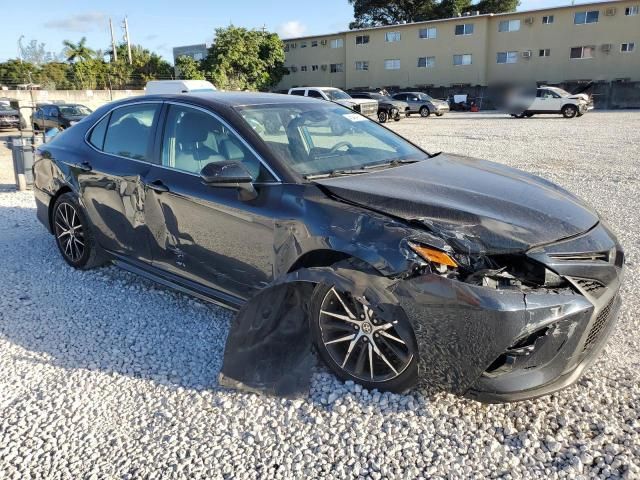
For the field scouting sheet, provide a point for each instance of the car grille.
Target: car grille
(369, 109)
(601, 321)
(591, 287)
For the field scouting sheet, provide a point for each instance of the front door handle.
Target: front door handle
(158, 186)
(84, 166)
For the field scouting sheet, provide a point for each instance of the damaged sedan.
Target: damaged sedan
(327, 231)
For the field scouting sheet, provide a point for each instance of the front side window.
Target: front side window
(634, 10)
(430, 32)
(362, 39)
(627, 47)
(337, 43)
(509, 26)
(426, 62)
(582, 52)
(392, 64)
(464, 29)
(392, 37)
(337, 68)
(547, 19)
(129, 131)
(362, 65)
(193, 138)
(324, 138)
(507, 57)
(314, 94)
(581, 18)
(464, 59)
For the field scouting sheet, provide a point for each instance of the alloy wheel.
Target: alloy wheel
(69, 232)
(359, 341)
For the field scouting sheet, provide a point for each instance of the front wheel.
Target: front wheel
(383, 116)
(425, 112)
(73, 234)
(358, 341)
(569, 111)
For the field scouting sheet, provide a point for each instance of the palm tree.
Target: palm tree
(77, 51)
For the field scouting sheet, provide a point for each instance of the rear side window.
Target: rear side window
(300, 93)
(129, 131)
(97, 134)
(314, 94)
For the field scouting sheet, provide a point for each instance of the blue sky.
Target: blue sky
(161, 24)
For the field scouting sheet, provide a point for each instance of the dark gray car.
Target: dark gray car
(422, 103)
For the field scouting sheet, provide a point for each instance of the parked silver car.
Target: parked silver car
(422, 103)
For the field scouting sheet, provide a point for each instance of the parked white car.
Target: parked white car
(163, 87)
(548, 100)
(363, 106)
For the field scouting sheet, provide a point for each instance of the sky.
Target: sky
(160, 25)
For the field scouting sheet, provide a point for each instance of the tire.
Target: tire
(528, 115)
(397, 118)
(521, 115)
(364, 364)
(439, 114)
(569, 111)
(78, 248)
(425, 112)
(579, 114)
(383, 116)
(408, 114)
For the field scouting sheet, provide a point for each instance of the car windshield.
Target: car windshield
(327, 139)
(4, 108)
(74, 110)
(336, 94)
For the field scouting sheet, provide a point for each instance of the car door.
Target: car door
(206, 234)
(547, 101)
(414, 102)
(52, 117)
(111, 178)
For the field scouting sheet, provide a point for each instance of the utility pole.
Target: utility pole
(127, 39)
(114, 55)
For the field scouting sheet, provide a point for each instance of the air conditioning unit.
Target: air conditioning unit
(606, 47)
(323, 43)
(526, 54)
(323, 67)
(529, 20)
(610, 12)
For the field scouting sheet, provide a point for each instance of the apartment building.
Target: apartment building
(594, 41)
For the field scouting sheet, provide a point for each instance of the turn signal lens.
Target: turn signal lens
(434, 256)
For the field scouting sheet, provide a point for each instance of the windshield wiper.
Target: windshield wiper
(392, 163)
(335, 173)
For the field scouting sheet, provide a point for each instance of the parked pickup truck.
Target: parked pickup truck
(363, 106)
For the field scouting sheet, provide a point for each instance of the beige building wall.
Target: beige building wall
(484, 45)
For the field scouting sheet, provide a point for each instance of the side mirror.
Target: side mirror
(229, 174)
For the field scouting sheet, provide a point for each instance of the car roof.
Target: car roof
(229, 99)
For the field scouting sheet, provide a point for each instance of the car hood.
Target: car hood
(579, 96)
(74, 118)
(9, 113)
(476, 205)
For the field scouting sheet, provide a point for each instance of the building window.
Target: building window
(430, 32)
(337, 68)
(314, 43)
(392, 64)
(362, 65)
(509, 26)
(465, 59)
(303, 68)
(507, 57)
(426, 62)
(580, 18)
(627, 47)
(632, 10)
(314, 68)
(547, 19)
(337, 43)
(303, 44)
(582, 52)
(362, 39)
(392, 37)
(464, 29)
(544, 52)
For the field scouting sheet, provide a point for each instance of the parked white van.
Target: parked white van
(155, 87)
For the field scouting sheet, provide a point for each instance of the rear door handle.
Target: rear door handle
(158, 186)
(84, 166)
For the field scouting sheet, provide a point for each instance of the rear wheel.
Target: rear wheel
(425, 112)
(357, 342)
(73, 234)
(569, 111)
(383, 116)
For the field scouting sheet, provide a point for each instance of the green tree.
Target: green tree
(77, 52)
(14, 72)
(242, 59)
(189, 68)
(372, 13)
(55, 76)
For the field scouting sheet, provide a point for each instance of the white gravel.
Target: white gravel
(105, 375)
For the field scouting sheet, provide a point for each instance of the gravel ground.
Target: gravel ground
(105, 375)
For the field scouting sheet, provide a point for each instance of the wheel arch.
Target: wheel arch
(323, 257)
(61, 191)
